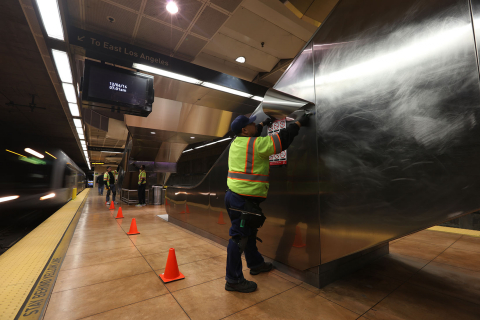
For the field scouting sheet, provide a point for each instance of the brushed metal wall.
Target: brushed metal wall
(394, 146)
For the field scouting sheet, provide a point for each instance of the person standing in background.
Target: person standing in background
(100, 184)
(109, 180)
(142, 183)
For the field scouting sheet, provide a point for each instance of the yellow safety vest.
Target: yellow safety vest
(142, 178)
(248, 164)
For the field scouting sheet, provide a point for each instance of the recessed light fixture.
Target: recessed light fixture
(74, 109)
(63, 65)
(172, 7)
(78, 123)
(3, 199)
(51, 18)
(152, 132)
(167, 74)
(240, 59)
(192, 137)
(70, 94)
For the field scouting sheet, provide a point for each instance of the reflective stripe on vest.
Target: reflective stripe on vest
(250, 157)
(277, 143)
(248, 177)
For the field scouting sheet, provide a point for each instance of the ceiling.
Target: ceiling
(210, 33)
(22, 74)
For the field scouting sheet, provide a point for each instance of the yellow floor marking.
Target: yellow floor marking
(22, 264)
(472, 233)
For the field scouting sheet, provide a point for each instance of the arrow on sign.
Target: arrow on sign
(80, 38)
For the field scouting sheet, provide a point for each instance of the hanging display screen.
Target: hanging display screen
(115, 86)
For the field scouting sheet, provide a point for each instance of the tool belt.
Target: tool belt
(252, 215)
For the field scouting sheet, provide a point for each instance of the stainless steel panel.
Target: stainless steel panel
(394, 146)
(397, 98)
(279, 105)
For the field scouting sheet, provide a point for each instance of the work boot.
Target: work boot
(265, 267)
(138, 205)
(245, 286)
(108, 202)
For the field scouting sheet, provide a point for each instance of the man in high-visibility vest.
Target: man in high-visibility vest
(109, 181)
(248, 170)
(142, 183)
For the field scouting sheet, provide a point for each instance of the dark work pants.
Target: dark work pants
(100, 189)
(113, 191)
(234, 258)
(141, 193)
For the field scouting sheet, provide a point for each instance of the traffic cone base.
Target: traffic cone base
(220, 218)
(182, 212)
(133, 228)
(180, 277)
(298, 242)
(119, 214)
(171, 269)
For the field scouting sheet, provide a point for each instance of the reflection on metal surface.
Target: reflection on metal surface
(279, 104)
(393, 148)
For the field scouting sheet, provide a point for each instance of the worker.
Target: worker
(109, 181)
(142, 183)
(247, 180)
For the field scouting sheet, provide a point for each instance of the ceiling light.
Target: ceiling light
(70, 94)
(51, 18)
(225, 89)
(83, 142)
(78, 123)
(3, 199)
(240, 59)
(48, 196)
(63, 65)
(86, 154)
(111, 151)
(81, 136)
(152, 132)
(35, 153)
(167, 74)
(192, 137)
(74, 109)
(172, 7)
(187, 150)
(257, 98)
(51, 155)
(79, 130)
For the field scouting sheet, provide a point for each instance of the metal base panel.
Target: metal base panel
(318, 276)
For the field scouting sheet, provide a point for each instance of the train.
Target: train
(36, 179)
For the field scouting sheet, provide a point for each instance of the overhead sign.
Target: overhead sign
(279, 158)
(90, 40)
(107, 49)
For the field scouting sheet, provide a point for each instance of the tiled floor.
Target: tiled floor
(109, 275)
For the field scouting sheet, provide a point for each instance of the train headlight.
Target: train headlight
(3, 199)
(48, 196)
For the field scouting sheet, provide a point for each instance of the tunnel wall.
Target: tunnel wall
(393, 148)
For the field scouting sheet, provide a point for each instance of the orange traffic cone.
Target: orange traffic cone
(166, 202)
(187, 210)
(171, 269)
(112, 206)
(298, 242)
(119, 214)
(133, 228)
(220, 218)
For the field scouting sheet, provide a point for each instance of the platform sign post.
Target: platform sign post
(279, 158)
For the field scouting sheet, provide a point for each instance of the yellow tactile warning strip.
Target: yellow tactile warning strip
(21, 265)
(472, 233)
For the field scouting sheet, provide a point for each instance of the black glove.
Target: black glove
(305, 119)
(267, 122)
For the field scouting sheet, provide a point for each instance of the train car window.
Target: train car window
(22, 172)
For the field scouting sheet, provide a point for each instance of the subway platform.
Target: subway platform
(107, 274)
